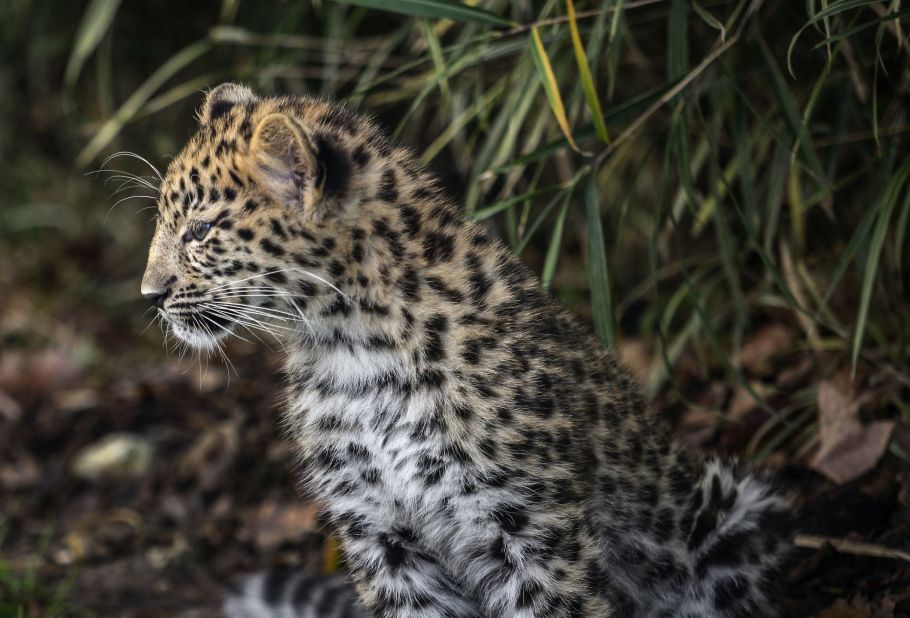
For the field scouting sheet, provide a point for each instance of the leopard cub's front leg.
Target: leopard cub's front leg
(398, 579)
(527, 560)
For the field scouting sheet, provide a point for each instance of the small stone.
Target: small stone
(117, 455)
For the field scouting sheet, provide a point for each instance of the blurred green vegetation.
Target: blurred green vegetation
(683, 172)
(22, 594)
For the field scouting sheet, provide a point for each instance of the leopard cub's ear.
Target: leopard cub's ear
(221, 99)
(282, 159)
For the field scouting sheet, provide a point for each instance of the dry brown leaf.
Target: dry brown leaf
(848, 449)
(277, 523)
(841, 609)
(796, 373)
(765, 344)
(211, 454)
(698, 426)
(9, 408)
(43, 371)
(638, 357)
(743, 401)
(23, 472)
(78, 399)
(744, 414)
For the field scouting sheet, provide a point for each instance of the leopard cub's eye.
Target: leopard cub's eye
(197, 230)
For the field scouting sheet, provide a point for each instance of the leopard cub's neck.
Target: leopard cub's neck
(410, 278)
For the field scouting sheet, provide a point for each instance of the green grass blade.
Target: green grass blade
(742, 144)
(439, 61)
(598, 273)
(553, 249)
(614, 48)
(774, 197)
(710, 19)
(489, 211)
(587, 80)
(677, 41)
(95, 23)
(900, 233)
(456, 125)
(820, 16)
(619, 113)
(864, 26)
(435, 9)
(863, 229)
(790, 112)
(502, 134)
(542, 215)
(870, 272)
(143, 93)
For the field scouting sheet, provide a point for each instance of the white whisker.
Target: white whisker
(252, 318)
(249, 323)
(129, 197)
(283, 270)
(269, 311)
(126, 153)
(135, 179)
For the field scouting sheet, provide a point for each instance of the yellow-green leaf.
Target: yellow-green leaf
(551, 87)
(587, 80)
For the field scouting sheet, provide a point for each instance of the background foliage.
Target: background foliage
(706, 180)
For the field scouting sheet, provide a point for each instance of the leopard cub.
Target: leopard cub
(476, 449)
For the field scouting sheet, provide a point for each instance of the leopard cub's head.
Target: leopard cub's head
(249, 215)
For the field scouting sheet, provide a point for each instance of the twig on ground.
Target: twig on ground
(812, 541)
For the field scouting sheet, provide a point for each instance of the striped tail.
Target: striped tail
(709, 545)
(737, 538)
(282, 594)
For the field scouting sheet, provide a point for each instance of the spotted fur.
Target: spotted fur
(478, 452)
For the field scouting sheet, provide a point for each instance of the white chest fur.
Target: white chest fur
(366, 425)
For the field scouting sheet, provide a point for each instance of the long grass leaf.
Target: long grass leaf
(439, 62)
(859, 237)
(143, 93)
(551, 86)
(614, 46)
(864, 26)
(95, 23)
(744, 158)
(619, 113)
(489, 211)
(553, 249)
(598, 273)
(456, 125)
(542, 215)
(435, 9)
(710, 19)
(677, 40)
(587, 80)
(900, 234)
(790, 112)
(870, 272)
(833, 9)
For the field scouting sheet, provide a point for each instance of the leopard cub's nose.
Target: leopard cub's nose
(156, 297)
